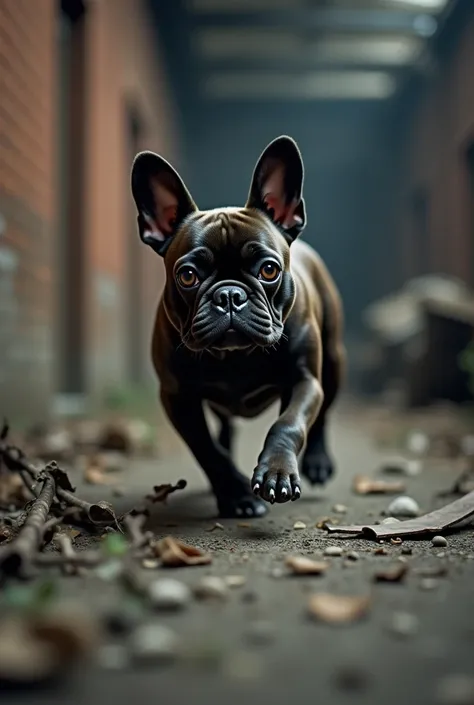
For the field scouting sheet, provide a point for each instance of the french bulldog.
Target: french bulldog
(249, 316)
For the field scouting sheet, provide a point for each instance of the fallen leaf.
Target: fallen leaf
(381, 551)
(215, 527)
(174, 553)
(367, 485)
(335, 609)
(95, 475)
(305, 566)
(161, 492)
(392, 574)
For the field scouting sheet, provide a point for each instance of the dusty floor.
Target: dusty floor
(301, 660)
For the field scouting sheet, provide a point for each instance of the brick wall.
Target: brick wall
(26, 203)
(121, 75)
(441, 133)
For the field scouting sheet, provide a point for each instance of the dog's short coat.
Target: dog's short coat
(249, 315)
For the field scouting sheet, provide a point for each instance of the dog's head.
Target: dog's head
(228, 283)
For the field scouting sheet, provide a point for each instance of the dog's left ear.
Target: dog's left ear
(277, 186)
(162, 200)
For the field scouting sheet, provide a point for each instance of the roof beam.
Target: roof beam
(326, 19)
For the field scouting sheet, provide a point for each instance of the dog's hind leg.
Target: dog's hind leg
(225, 437)
(317, 464)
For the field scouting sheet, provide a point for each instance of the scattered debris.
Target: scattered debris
(353, 556)
(404, 624)
(150, 563)
(168, 594)
(401, 466)
(392, 574)
(432, 523)
(235, 581)
(174, 553)
(381, 551)
(244, 525)
(396, 541)
(211, 587)
(299, 525)
(162, 492)
(216, 527)
(339, 509)
(261, 633)
(439, 541)
(404, 507)
(333, 551)
(407, 550)
(367, 485)
(299, 565)
(335, 609)
(456, 689)
(429, 584)
(152, 644)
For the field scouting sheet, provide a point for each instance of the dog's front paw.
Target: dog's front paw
(317, 467)
(277, 479)
(247, 506)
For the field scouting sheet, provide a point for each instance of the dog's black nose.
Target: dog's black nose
(230, 298)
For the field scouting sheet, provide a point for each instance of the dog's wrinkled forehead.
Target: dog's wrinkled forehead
(245, 232)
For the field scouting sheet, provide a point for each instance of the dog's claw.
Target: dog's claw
(256, 488)
(271, 496)
(296, 494)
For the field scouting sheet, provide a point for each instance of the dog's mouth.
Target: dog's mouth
(232, 339)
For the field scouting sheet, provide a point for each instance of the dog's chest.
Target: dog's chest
(240, 385)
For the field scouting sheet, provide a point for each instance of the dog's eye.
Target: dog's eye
(187, 277)
(269, 272)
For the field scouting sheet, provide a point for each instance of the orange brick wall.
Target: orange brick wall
(121, 68)
(26, 203)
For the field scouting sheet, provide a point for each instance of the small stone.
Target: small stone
(211, 587)
(407, 551)
(404, 506)
(235, 581)
(339, 508)
(418, 443)
(439, 541)
(402, 466)
(353, 556)
(429, 584)
(299, 525)
(150, 564)
(457, 689)
(277, 572)
(113, 657)
(381, 551)
(390, 520)
(216, 527)
(120, 621)
(441, 554)
(154, 643)
(404, 624)
(333, 551)
(261, 633)
(169, 594)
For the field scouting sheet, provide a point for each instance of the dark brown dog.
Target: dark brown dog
(248, 316)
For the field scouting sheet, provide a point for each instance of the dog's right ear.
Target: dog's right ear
(162, 200)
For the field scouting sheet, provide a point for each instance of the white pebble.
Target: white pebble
(353, 556)
(113, 657)
(154, 643)
(418, 442)
(404, 507)
(339, 508)
(211, 587)
(456, 690)
(169, 594)
(299, 525)
(404, 624)
(439, 541)
(333, 551)
(390, 520)
(235, 581)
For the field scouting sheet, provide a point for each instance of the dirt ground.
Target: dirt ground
(261, 645)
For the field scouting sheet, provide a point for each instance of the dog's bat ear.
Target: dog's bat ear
(277, 186)
(162, 200)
